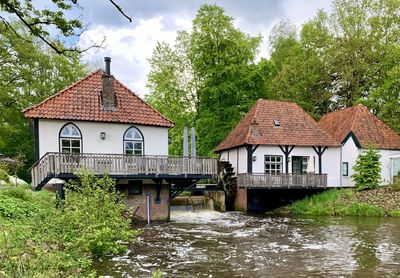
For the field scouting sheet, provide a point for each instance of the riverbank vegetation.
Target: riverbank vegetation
(213, 74)
(384, 201)
(37, 239)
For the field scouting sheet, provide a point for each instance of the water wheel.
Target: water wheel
(227, 182)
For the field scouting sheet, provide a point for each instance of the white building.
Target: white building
(356, 128)
(99, 124)
(277, 145)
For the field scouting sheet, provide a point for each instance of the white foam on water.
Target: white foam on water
(227, 219)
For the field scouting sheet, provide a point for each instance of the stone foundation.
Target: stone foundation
(240, 203)
(159, 209)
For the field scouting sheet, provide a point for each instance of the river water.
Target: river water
(213, 244)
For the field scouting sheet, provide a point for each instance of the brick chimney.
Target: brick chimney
(107, 94)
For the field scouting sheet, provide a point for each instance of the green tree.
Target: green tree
(339, 59)
(174, 87)
(209, 79)
(367, 169)
(301, 74)
(30, 72)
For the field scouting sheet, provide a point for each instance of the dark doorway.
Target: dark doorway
(299, 165)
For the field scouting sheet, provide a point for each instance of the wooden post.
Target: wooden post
(320, 151)
(286, 151)
(60, 193)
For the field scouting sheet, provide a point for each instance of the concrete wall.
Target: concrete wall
(159, 212)
(240, 203)
(155, 138)
(218, 198)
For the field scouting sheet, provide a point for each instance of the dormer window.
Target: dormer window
(70, 139)
(277, 123)
(133, 141)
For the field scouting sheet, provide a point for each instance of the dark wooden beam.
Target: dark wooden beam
(320, 151)
(286, 151)
(36, 138)
(250, 150)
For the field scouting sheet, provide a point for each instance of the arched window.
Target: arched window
(70, 139)
(133, 142)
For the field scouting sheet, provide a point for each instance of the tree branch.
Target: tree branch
(121, 11)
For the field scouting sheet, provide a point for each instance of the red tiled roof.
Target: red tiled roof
(81, 101)
(297, 128)
(366, 127)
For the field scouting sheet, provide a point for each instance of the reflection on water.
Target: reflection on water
(213, 244)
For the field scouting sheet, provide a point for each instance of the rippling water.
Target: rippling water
(213, 244)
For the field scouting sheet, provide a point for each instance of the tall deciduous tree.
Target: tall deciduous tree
(340, 58)
(30, 72)
(209, 78)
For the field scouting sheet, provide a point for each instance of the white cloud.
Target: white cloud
(129, 49)
(130, 46)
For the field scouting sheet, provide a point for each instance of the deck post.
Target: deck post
(60, 193)
(148, 207)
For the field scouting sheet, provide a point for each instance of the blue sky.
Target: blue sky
(131, 44)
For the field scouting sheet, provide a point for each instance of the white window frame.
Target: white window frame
(275, 163)
(74, 134)
(133, 145)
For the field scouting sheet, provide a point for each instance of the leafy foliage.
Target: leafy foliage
(340, 59)
(39, 240)
(367, 169)
(208, 79)
(30, 72)
(40, 21)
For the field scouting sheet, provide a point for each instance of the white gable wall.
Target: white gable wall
(155, 138)
(350, 153)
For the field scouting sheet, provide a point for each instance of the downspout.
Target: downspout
(341, 167)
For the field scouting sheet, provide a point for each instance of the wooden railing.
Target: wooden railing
(55, 164)
(260, 180)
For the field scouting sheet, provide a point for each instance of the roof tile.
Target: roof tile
(296, 127)
(367, 128)
(81, 101)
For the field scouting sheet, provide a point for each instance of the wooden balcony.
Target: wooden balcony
(62, 165)
(281, 181)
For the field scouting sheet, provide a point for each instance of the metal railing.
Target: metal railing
(261, 180)
(54, 164)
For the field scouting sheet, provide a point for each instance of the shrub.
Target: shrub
(38, 240)
(396, 182)
(3, 175)
(394, 213)
(367, 170)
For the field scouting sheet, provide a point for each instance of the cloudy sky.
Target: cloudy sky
(131, 44)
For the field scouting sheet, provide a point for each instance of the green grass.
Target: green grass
(394, 213)
(329, 203)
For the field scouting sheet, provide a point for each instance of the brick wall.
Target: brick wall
(108, 94)
(158, 211)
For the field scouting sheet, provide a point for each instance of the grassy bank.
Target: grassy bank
(39, 240)
(349, 202)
